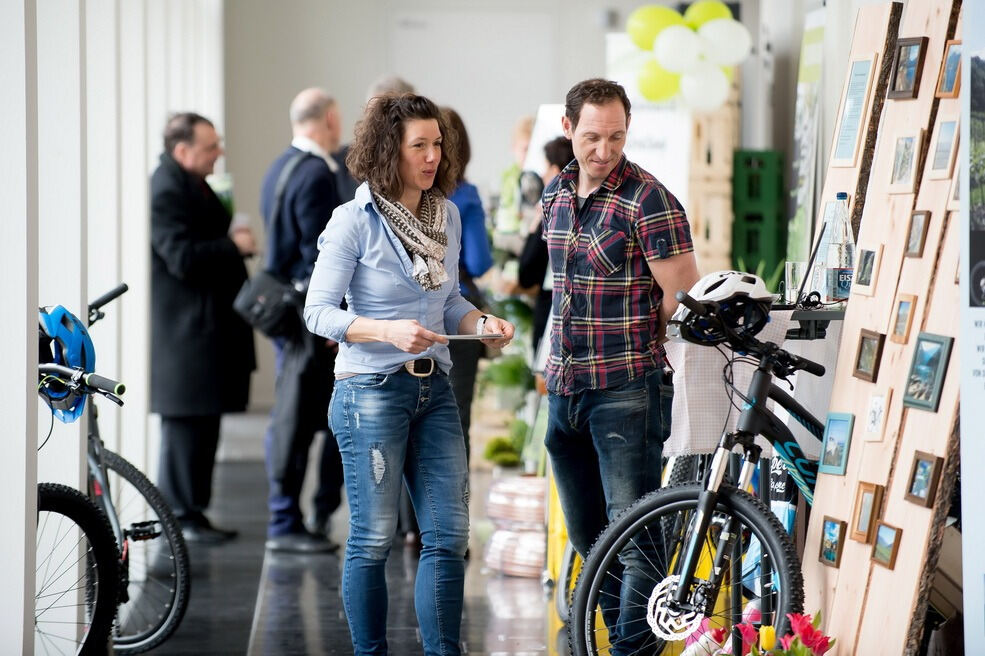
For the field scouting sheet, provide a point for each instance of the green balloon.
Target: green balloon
(656, 83)
(647, 21)
(703, 11)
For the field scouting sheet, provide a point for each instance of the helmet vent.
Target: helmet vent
(67, 322)
(715, 285)
(749, 279)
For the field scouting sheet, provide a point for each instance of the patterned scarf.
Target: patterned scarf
(424, 237)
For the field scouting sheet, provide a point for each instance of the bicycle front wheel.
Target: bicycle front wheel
(159, 578)
(623, 600)
(76, 575)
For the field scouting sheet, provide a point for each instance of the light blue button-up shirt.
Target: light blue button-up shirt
(362, 259)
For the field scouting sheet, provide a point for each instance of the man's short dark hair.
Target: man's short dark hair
(181, 129)
(594, 92)
(558, 152)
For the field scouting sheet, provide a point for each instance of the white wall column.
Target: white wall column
(19, 289)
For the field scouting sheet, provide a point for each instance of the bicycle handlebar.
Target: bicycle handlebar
(108, 296)
(690, 303)
(75, 376)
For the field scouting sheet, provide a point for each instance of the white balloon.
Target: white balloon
(728, 41)
(678, 48)
(705, 88)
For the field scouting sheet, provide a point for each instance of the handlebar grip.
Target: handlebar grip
(105, 384)
(810, 366)
(108, 296)
(688, 302)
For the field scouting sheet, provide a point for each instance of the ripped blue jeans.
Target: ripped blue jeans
(605, 448)
(391, 428)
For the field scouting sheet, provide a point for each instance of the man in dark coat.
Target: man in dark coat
(201, 351)
(298, 197)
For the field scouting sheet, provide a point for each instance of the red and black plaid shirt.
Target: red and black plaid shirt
(606, 307)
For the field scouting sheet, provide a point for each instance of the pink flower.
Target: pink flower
(749, 636)
(803, 628)
(787, 641)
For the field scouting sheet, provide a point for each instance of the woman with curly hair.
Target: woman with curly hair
(393, 254)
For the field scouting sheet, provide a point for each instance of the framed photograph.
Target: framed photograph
(925, 475)
(875, 415)
(868, 500)
(868, 355)
(837, 441)
(907, 67)
(853, 109)
(943, 148)
(916, 233)
(886, 544)
(954, 197)
(867, 270)
(832, 541)
(903, 318)
(927, 371)
(949, 79)
(905, 155)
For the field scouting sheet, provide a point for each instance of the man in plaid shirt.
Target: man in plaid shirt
(620, 248)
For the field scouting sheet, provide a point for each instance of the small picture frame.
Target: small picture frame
(916, 233)
(868, 355)
(885, 544)
(904, 82)
(943, 148)
(837, 442)
(927, 371)
(853, 110)
(832, 541)
(949, 79)
(867, 270)
(954, 196)
(925, 476)
(906, 152)
(868, 501)
(903, 318)
(876, 414)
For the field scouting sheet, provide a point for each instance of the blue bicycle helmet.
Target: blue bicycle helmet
(64, 340)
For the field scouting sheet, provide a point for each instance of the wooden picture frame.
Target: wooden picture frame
(876, 414)
(949, 78)
(904, 81)
(906, 153)
(832, 541)
(837, 443)
(868, 355)
(865, 514)
(916, 233)
(885, 544)
(925, 476)
(954, 195)
(943, 147)
(867, 270)
(902, 319)
(927, 371)
(853, 109)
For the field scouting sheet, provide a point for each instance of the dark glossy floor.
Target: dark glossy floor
(243, 603)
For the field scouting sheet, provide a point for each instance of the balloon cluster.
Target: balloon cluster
(693, 54)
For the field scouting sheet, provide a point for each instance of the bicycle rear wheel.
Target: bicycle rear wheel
(159, 578)
(77, 575)
(564, 591)
(635, 559)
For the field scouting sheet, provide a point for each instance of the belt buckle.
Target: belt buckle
(414, 369)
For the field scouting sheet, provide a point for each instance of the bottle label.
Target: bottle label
(839, 283)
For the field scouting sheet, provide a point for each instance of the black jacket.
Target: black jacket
(201, 351)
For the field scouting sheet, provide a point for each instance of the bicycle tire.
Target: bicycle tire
(685, 470)
(58, 544)
(164, 560)
(564, 591)
(786, 582)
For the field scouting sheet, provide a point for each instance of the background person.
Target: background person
(201, 351)
(394, 252)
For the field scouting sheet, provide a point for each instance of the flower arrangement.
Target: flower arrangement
(806, 639)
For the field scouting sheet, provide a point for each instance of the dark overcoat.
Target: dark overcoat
(201, 350)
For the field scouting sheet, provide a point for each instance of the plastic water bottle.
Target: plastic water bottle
(840, 262)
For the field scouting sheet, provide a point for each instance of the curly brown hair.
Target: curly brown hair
(375, 152)
(594, 92)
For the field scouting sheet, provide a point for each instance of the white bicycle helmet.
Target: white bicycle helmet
(743, 304)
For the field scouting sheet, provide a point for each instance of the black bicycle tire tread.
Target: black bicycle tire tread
(171, 528)
(684, 470)
(576, 645)
(73, 504)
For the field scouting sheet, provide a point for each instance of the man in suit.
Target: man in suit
(298, 196)
(201, 351)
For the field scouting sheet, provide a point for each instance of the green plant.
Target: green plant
(518, 434)
(508, 371)
(500, 451)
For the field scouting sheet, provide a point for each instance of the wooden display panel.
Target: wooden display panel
(869, 608)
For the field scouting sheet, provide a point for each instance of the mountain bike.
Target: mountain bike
(154, 570)
(689, 558)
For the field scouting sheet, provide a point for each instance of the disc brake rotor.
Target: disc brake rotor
(669, 625)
